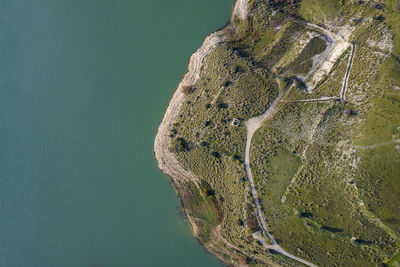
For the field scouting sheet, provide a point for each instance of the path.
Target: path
(321, 99)
(338, 47)
(371, 146)
(252, 125)
(347, 74)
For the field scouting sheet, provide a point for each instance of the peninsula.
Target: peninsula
(283, 138)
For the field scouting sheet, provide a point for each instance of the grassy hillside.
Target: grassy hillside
(326, 172)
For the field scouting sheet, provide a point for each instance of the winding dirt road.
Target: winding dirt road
(321, 99)
(339, 45)
(347, 74)
(252, 125)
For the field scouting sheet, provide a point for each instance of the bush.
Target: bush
(187, 89)
(179, 145)
(242, 259)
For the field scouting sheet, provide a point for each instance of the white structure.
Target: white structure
(235, 122)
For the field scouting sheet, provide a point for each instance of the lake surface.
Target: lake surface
(83, 87)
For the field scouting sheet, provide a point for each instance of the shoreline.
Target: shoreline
(166, 161)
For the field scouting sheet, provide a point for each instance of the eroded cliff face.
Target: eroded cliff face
(314, 85)
(241, 9)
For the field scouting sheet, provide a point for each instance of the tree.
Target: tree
(178, 145)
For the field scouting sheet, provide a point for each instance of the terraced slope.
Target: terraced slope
(311, 173)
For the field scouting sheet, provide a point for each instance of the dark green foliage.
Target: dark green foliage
(303, 63)
(179, 144)
(285, 42)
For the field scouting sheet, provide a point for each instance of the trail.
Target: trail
(342, 90)
(346, 76)
(338, 46)
(336, 38)
(371, 146)
(321, 99)
(251, 126)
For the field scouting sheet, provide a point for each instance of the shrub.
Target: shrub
(216, 154)
(187, 89)
(179, 145)
(242, 259)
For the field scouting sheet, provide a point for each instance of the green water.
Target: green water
(83, 87)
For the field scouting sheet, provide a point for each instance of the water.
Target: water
(83, 86)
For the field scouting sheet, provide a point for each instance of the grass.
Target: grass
(395, 261)
(274, 165)
(381, 122)
(381, 170)
(392, 19)
(229, 87)
(319, 10)
(280, 47)
(331, 84)
(303, 62)
(318, 212)
(380, 126)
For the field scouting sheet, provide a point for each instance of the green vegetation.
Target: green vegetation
(203, 206)
(326, 173)
(395, 261)
(281, 45)
(319, 10)
(304, 202)
(179, 145)
(303, 62)
(205, 142)
(330, 84)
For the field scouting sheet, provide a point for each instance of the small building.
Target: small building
(235, 122)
